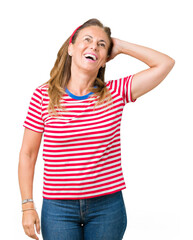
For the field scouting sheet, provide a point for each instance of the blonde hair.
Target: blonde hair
(61, 72)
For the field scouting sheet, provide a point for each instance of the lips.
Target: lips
(91, 56)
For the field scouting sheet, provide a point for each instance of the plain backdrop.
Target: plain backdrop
(156, 130)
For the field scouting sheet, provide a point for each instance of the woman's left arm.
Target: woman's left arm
(160, 65)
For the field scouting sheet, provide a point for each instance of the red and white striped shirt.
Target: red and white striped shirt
(82, 147)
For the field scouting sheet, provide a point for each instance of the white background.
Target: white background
(156, 130)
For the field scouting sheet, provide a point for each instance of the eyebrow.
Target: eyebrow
(92, 37)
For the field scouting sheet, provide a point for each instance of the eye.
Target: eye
(87, 39)
(102, 44)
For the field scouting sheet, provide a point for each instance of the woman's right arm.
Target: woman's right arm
(27, 160)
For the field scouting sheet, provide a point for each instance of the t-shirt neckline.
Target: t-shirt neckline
(78, 97)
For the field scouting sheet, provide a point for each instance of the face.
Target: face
(90, 40)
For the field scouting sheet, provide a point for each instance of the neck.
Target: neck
(80, 81)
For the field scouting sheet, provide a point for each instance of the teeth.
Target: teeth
(90, 55)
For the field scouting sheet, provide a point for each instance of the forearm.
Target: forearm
(26, 175)
(147, 55)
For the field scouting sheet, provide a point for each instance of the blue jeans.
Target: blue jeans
(98, 218)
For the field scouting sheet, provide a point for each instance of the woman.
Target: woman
(80, 115)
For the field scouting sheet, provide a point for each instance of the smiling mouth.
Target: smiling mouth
(90, 57)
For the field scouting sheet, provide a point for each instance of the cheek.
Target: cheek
(80, 47)
(105, 54)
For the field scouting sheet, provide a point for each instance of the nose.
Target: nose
(93, 45)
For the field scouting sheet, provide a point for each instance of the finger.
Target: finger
(32, 233)
(34, 236)
(38, 225)
(27, 230)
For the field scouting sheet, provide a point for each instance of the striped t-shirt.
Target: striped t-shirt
(81, 147)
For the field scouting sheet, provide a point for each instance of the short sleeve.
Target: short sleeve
(34, 119)
(124, 88)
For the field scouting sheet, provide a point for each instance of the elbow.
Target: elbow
(172, 62)
(27, 158)
(168, 65)
(167, 62)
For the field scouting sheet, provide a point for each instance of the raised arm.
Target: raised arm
(160, 65)
(27, 160)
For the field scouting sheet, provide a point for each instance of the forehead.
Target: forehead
(95, 32)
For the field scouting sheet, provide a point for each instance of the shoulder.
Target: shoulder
(117, 83)
(42, 89)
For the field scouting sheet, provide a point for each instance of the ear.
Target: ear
(70, 49)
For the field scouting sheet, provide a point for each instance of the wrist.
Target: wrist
(27, 200)
(28, 210)
(120, 45)
(28, 205)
